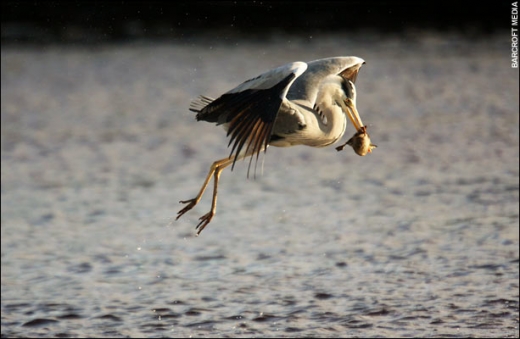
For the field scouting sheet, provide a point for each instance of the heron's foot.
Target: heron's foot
(204, 221)
(191, 203)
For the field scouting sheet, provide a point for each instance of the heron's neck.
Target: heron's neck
(332, 122)
(320, 129)
(331, 119)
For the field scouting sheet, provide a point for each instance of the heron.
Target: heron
(300, 103)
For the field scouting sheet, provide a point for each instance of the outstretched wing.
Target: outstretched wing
(306, 87)
(250, 109)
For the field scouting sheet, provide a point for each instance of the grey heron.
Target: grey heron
(295, 104)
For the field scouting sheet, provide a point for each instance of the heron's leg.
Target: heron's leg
(206, 218)
(215, 170)
(192, 202)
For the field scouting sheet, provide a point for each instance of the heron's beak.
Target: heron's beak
(351, 111)
(360, 142)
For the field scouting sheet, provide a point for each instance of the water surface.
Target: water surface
(419, 238)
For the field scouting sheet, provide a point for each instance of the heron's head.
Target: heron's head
(346, 99)
(343, 92)
(340, 92)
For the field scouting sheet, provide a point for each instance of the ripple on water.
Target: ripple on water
(38, 322)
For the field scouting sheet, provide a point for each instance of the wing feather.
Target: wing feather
(249, 110)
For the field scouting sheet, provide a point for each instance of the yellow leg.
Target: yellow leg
(215, 171)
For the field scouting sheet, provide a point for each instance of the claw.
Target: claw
(204, 220)
(191, 203)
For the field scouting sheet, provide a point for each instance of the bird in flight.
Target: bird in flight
(295, 104)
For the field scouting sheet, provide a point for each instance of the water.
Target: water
(419, 238)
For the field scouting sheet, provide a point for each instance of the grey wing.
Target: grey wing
(306, 87)
(250, 109)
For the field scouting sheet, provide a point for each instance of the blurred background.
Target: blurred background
(97, 21)
(418, 239)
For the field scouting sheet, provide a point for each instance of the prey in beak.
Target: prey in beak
(360, 141)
